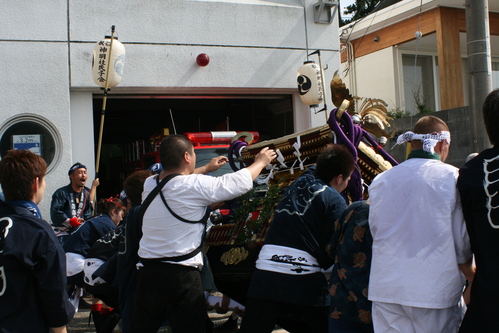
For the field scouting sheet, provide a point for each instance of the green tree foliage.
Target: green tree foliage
(359, 9)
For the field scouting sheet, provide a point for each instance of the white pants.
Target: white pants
(74, 263)
(389, 317)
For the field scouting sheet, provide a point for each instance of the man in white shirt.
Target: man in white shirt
(169, 281)
(420, 241)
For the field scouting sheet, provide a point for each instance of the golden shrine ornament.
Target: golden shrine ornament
(234, 256)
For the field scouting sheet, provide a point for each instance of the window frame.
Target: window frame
(49, 129)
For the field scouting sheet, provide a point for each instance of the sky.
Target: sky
(343, 5)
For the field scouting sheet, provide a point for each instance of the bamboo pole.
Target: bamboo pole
(104, 101)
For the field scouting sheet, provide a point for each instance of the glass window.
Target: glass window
(205, 154)
(34, 133)
(495, 75)
(419, 83)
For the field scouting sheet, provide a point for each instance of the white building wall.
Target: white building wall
(34, 71)
(254, 47)
(255, 44)
(375, 77)
(82, 131)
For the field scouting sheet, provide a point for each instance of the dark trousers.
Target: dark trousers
(261, 316)
(169, 292)
(76, 280)
(349, 326)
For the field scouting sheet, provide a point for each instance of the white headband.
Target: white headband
(429, 140)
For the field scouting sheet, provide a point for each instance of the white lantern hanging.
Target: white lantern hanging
(107, 70)
(310, 83)
(105, 60)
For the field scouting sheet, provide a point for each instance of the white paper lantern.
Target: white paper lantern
(104, 61)
(310, 83)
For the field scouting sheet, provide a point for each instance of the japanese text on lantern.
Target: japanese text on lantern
(319, 80)
(102, 60)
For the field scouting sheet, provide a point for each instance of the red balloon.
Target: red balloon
(203, 59)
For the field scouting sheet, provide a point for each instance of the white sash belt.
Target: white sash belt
(286, 260)
(91, 265)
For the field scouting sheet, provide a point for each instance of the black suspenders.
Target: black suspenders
(146, 204)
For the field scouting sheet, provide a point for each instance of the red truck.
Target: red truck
(206, 145)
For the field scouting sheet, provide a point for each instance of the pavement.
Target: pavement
(80, 323)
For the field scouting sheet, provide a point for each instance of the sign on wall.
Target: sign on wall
(30, 142)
